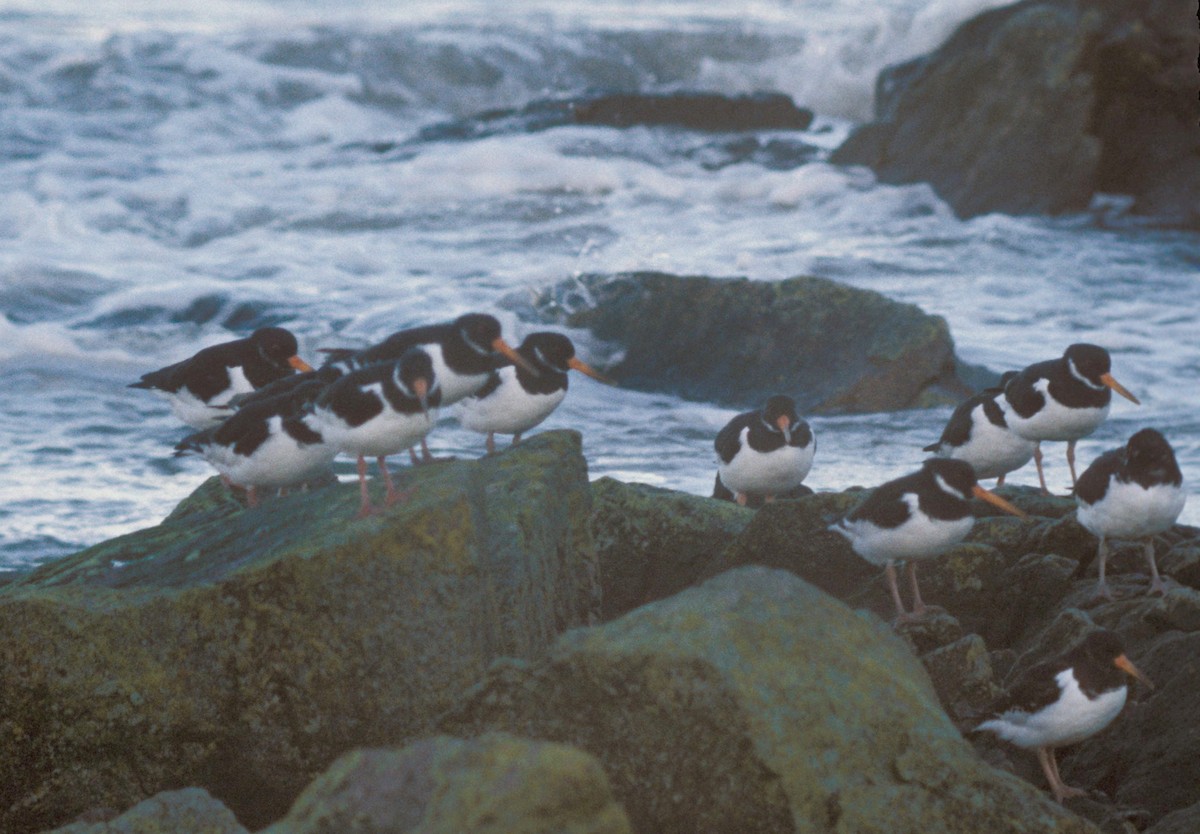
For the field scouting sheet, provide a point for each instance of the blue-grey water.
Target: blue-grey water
(174, 174)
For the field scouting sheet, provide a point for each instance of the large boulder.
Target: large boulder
(243, 650)
(187, 811)
(495, 784)
(833, 348)
(757, 703)
(1037, 106)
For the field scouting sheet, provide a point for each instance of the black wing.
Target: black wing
(1021, 394)
(728, 443)
(958, 427)
(347, 399)
(1093, 483)
(885, 506)
(1036, 689)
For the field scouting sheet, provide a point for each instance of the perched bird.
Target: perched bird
(379, 410)
(200, 389)
(916, 517)
(1062, 399)
(513, 400)
(1062, 702)
(765, 452)
(978, 433)
(1134, 492)
(272, 443)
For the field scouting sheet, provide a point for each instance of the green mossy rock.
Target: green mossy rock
(653, 542)
(188, 811)
(832, 347)
(756, 703)
(243, 650)
(495, 784)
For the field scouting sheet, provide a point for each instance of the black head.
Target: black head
(1090, 361)
(779, 408)
(1149, 449)
(1103, 647)
(549, 350)
(275, 343)
(480, 331)
(1005, 378)
(952, 475)
(414, 374)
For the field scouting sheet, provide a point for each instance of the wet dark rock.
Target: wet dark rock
(1039, 106)
(962, 676)
(833, 348)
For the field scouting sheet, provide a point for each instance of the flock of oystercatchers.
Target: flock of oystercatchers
(267, 419)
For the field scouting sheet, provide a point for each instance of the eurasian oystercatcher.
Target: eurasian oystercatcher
(199, 389)
(271, 443)
(765, 452)
(918, 516)
(978, 433)
(1134, 492)
(513, 400)
(379, 410)
(1062, 399)
(1062, 702)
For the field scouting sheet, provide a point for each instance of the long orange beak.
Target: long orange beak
(501, 346)
(1108, 380)
(585, 368)
(299, 364)
(421, 389)
(1126, 665)
(996, 500)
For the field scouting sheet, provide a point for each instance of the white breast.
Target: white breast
(993, 450)
(1054, 421)
(766, 473)
(1070, 719)
(1129, 510)
(920, 537)
(508, 409)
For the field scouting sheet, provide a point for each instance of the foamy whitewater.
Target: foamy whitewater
(176, 174)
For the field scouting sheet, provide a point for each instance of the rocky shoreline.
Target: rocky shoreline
(539, 653)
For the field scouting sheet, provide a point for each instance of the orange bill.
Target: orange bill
(1126, 665)
(299, 364)
(585, 368)
(501, 346)
(783, 423)
(1108, 380)
(421, 389)
(995, 500)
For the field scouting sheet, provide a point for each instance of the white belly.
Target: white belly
(454, 387)
(991, 450)
(509, 409)
(384, 434)
(1069, 720)
(766, 473)
(1129, 511)
(1055, 422)
(920, 537)
(280, 461)
(201, 414)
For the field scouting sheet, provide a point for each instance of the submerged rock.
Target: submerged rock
(243, 650)
(831, 347)
(756, 703)
(1038, 106)
(495, 784)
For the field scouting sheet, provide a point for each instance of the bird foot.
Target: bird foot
(907, 617)
(365, 511)
(1101, 594)
(400, 496)
(1067, 792)
(1158, 586)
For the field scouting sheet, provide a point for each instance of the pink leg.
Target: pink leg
(1157, 586)
(252, 496)
(1037, 458)
(394, 496)
(1102, 590)
(889, 570)
(516, 438)
(1050, 767)
(491, 443)
(918, 604)
(1071, 462)
(365, 508)
(1000, 480)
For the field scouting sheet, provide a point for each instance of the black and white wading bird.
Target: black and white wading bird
(1062, 399)
(272, 443)
(199, 389)
(1063, 702)
(765, 452)
(513, 400)
(377, 411)
(978, 433)
(916, 517)
(1135, 492)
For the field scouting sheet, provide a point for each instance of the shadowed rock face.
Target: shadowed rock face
(756, 703)
(243, 650)
(1036, 107)
(187, 811)
(831, 347)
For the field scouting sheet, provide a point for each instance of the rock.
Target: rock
(962, 676)
(831, 347)
(1038, 106)
(187, 811)
(243, 650)
(756, 703)
(1182, 563)
(651, 542)
(1183, 821)
(495, 784)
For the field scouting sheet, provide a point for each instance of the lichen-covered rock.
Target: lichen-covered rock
(495, 784)
(962, 676)
(187, 811)
(651, 542)
(831, 347)
(243, 650)
(756, 703)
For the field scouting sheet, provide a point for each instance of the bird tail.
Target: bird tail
(191, 445)
(840, 528)
(932, 447)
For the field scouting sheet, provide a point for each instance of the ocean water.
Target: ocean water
(175, 174)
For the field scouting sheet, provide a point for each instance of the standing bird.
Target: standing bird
(379, 410)
(513, 400)
(1135, 492)
(918, 516)
(272, 443)
(765, 452)
(978, 433)
(1062, 399)
(1062, 702)
(199, 389)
